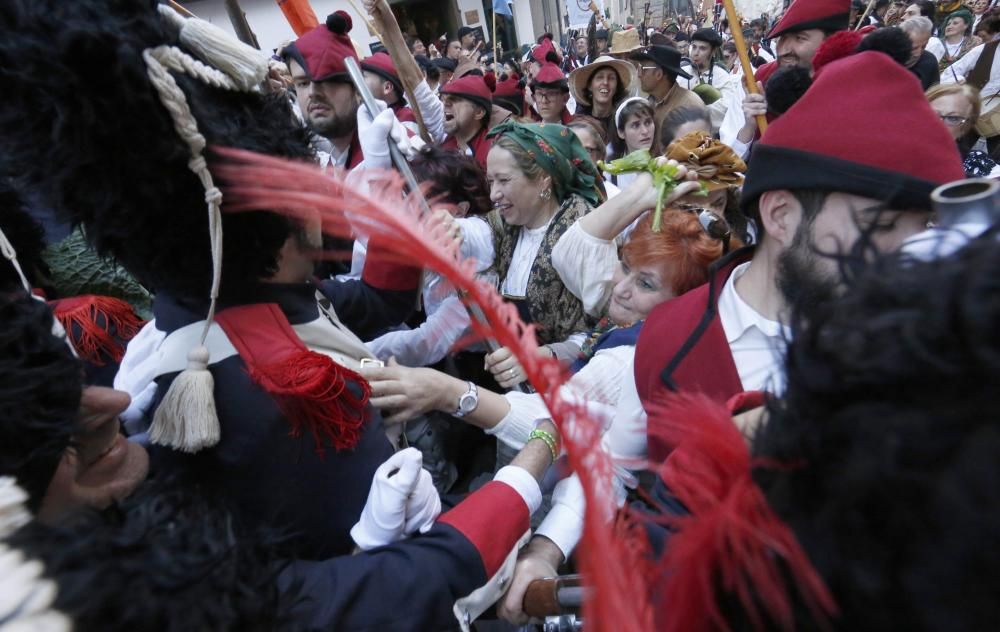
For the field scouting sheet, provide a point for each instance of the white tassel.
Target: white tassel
(186, 419)
(26, 596)
(13, 512)
(245, 65)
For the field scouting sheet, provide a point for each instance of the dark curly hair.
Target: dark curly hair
(166, 558)
(40, 388)
(83, 125)
(452, 178)
(25, 234)
(890, 423)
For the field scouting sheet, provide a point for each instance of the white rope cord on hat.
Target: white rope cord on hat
(175, 101)
(10, 254)
(26, 595)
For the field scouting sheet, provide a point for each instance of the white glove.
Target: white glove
(383, 520)
(423, 506)
(374, 136)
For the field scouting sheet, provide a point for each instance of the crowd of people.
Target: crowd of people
(713, 341)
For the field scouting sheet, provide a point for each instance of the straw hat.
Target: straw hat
(580, 78)
(624, 42)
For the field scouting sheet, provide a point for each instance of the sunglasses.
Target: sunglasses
(711, 222)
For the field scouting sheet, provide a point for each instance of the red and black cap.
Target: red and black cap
(322, 50)
(828, 15)
(550, 76)
(509, 94)
(472, 88)
(381, 64)
(853, 131)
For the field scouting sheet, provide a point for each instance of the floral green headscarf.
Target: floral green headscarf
(559, 152)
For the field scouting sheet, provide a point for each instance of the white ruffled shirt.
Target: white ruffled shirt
(607, 387)
(447, 319)
(757, 344)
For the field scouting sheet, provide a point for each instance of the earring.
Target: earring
(546, 194)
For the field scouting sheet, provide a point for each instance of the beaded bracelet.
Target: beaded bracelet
(549, 441)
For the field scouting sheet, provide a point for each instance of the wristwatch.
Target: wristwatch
(468, 401)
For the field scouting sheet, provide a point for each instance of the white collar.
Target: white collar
(737, 316)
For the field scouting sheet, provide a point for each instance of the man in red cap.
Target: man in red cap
(550, 91)
(328, 99)
(467, 105)
(798, 34)
(383, 80)
(841, 173)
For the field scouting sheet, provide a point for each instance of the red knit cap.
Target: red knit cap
(541, 52)
(829, 15)
(322, 50)
(471, 87)
(381, 64)
(863, 127)
(509, 87)
(551, 76)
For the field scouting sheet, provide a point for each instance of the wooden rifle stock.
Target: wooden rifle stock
(553, 596)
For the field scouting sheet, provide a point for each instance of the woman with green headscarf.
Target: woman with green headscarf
(541, 181)
(957, 38)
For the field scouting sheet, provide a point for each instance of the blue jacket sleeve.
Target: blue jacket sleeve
(408, 585)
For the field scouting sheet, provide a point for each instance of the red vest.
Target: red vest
(683, 347)
(354, 154)
(479, 144)
(403, 112)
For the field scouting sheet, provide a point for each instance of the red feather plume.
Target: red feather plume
(732, 539)
(610, 564)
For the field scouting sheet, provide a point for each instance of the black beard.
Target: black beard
(339, 126)
(801, 277)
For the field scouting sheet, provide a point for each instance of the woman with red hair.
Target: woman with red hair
(654, 267)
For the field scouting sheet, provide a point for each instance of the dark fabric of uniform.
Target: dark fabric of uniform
(408, 585)
(275, 478)
(926, 69)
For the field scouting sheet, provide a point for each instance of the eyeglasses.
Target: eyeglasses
(546, 95)
(714, 225)
(648, 67)
(951, 120)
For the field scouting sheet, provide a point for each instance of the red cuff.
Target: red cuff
(493, 518)
(384, 271)
(747, 400)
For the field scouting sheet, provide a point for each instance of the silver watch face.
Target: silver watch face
(467, 403)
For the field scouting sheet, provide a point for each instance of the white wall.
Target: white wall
(268, 22)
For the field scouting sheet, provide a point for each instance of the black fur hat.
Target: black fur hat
(40, 388)
(165, 558)
(893, 425)
(83, 125)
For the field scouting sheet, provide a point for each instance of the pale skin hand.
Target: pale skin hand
(754, 105)
(409, 392)
(608, 220)
(506, 369)
(540, 559)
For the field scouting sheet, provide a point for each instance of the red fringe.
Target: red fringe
(611, 564)
(88, 321)
(313, 393)
(732, 540)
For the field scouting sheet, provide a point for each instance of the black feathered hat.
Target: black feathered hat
(131, 97)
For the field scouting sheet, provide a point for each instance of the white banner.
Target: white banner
(579, 12)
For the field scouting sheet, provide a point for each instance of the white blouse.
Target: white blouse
(607, 387)
(447, 320)
(523, 259)
(587, 266)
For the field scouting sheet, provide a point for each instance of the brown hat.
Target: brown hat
(580, 78)
(716, 164)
